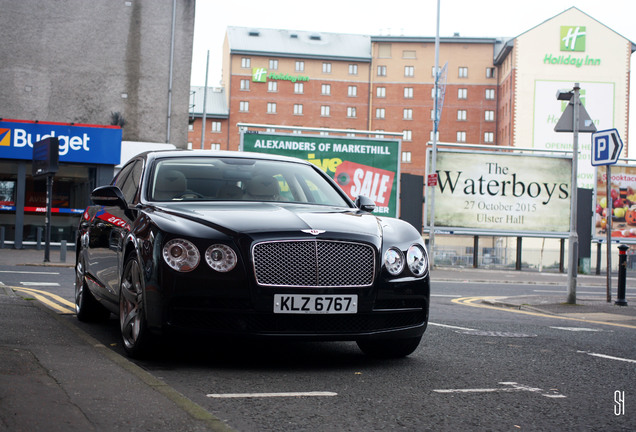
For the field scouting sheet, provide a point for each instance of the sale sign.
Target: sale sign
(360, 166)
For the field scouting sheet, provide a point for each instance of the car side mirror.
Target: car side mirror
(109, 196)
(365, 204)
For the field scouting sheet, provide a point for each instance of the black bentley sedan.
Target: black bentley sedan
(242, 244)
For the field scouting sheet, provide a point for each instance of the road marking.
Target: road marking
(42, 284)
(470, 301)
(446, 295)
(28, 272)
(267, 395)
(599, 293)
(42, 297)
(450, 326)
(605, 356)
(510, 387)
(576, 329)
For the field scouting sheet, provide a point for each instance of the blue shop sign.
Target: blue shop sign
(78, 143)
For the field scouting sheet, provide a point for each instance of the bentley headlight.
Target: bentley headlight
(417, 260)
(181, 255)
(220, 257)
(394, 261)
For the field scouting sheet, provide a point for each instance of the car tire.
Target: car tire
(136, 338)
(87, 308)
(389, 348)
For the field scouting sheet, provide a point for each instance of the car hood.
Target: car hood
(252, 218)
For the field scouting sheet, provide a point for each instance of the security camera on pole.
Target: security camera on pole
(574, 119)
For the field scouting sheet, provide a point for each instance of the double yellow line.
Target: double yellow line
(51, 300)
(477, 302)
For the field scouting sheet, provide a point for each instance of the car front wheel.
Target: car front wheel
(389, 348)
(132, 319)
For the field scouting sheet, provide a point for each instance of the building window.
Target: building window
(408, 114)
(298, 109)
(439, 69)
(408, 92)
(490, 94)
(215, 147)
(272, 86)
(352, 112)
(439, 92)
(271, 108)
(244, 106)
(245, 85)
(190, 127)
(246, 62)
(325, 110)
(433, 114)
(379, 135)
(461, 114)
(326, 89)
(300, 66)
(406, 157)
(189, 146)
(381, 70)
(351, 134)
(407, 135)
(489, 115)
(463, 72)
(299, 88)
(324, 133)
(409, 71)
(216, 126)
(489, 137)
(273, 64)
(326, 68)
(352, 91)
(353, 69)
(380, 92)
(379, 113)
(461, 136)
(490, 72)
(432, 135)
(462, 93)
(408, 54)
(297, 131)
(384, 50)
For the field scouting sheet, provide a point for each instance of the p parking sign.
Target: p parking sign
(606, 147)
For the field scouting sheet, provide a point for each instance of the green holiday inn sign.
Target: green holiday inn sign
(260, 74)
(573, 39)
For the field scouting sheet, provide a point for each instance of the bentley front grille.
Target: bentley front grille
(314, 263)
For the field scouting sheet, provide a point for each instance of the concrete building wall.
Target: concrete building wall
(80, 61)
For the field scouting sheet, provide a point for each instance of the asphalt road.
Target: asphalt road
(478, 368)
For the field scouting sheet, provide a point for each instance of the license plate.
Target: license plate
(315, 304)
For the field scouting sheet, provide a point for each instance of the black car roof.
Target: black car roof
(160, 154)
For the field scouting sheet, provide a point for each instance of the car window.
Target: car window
(240, 179)
(130, 183)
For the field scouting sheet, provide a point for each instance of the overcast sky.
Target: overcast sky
(478, 18)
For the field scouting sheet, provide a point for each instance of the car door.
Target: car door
(109, 230)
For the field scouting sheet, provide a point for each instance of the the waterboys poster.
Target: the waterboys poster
(502, 193)
(360, 166)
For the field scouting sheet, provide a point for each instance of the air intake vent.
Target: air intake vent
(254, 33)
(315, 37)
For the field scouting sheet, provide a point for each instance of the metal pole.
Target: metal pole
(433, 167)
(172, 31)
(49, 200)
(573, 239)
(205, 100)
(608, 228)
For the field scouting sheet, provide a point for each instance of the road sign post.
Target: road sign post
(606, 149)
(574, 119)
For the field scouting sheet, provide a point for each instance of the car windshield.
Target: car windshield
(239, 179)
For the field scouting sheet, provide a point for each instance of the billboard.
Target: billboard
(77, 143)
(623, 196)
(502, 193)
(360, 166)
